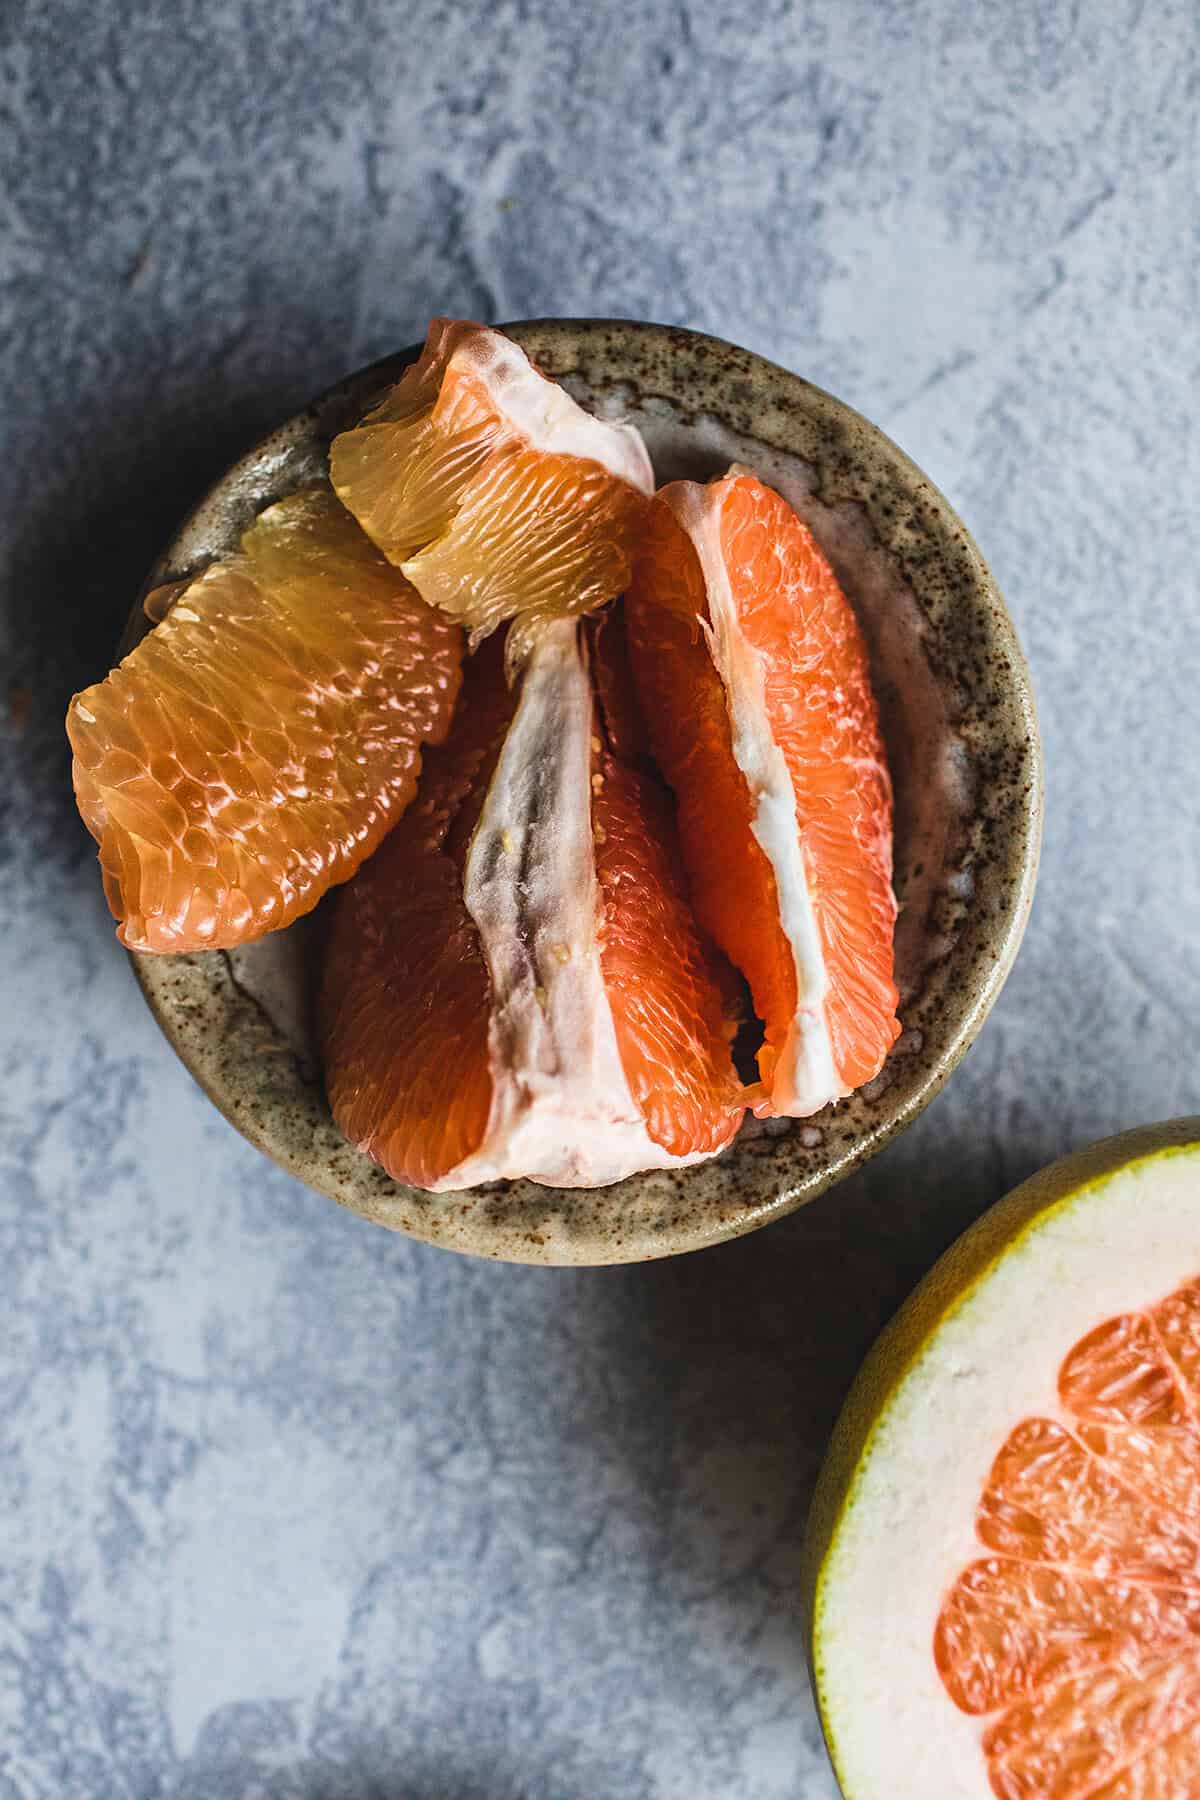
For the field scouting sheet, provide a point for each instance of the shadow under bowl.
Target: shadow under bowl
(962, 739)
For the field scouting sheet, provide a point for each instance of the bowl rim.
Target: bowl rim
(435, 1219)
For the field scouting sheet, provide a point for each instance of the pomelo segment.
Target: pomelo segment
(259, 743)
(754, 681)
(1003, 1558)
(405, 996)
(550, 1006)
(497, 494)
(674, 1017)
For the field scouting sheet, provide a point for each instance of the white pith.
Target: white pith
(546, 414)
(805, 1077)
(907, 1529)
(562, 1112)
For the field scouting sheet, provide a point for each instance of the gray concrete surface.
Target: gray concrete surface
(292, 1510)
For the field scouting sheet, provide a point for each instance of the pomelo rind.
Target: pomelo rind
(903, 1347)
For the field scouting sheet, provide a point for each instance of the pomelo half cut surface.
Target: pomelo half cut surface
(1003, 1557)
(514, 985)
(262, 739)
(494, 491)
(753, 677)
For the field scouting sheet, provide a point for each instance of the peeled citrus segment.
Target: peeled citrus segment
(1005, 1542)
(492, 488)
(553, 1011)
(405, 994)
(536, 537)
(754, 682)
(671, 1034)
(400, 472)
(258, 744)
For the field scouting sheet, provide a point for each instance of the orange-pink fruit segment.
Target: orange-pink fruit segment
(406, 1000)
(492, 489)
(259, 743)
(664, 991)
(405, 997)
(821, 713)
(1078, 1629)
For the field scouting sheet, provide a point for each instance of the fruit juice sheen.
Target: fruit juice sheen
(916, 727)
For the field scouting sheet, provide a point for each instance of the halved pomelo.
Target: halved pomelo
(495, 492)
(755, 685)
(259, 743)
(513, 985)
(1003, 1556)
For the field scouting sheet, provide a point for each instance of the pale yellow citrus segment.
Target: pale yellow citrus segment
(257, 745)
(496, 492)
(536, 536)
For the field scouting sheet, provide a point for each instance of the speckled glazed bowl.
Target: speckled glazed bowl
(962, 741)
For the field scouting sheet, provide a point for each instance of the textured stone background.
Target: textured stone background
(290, 1508)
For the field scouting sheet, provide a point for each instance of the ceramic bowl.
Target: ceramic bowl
(962, 741)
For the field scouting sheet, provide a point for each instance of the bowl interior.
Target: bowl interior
(962, 744)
